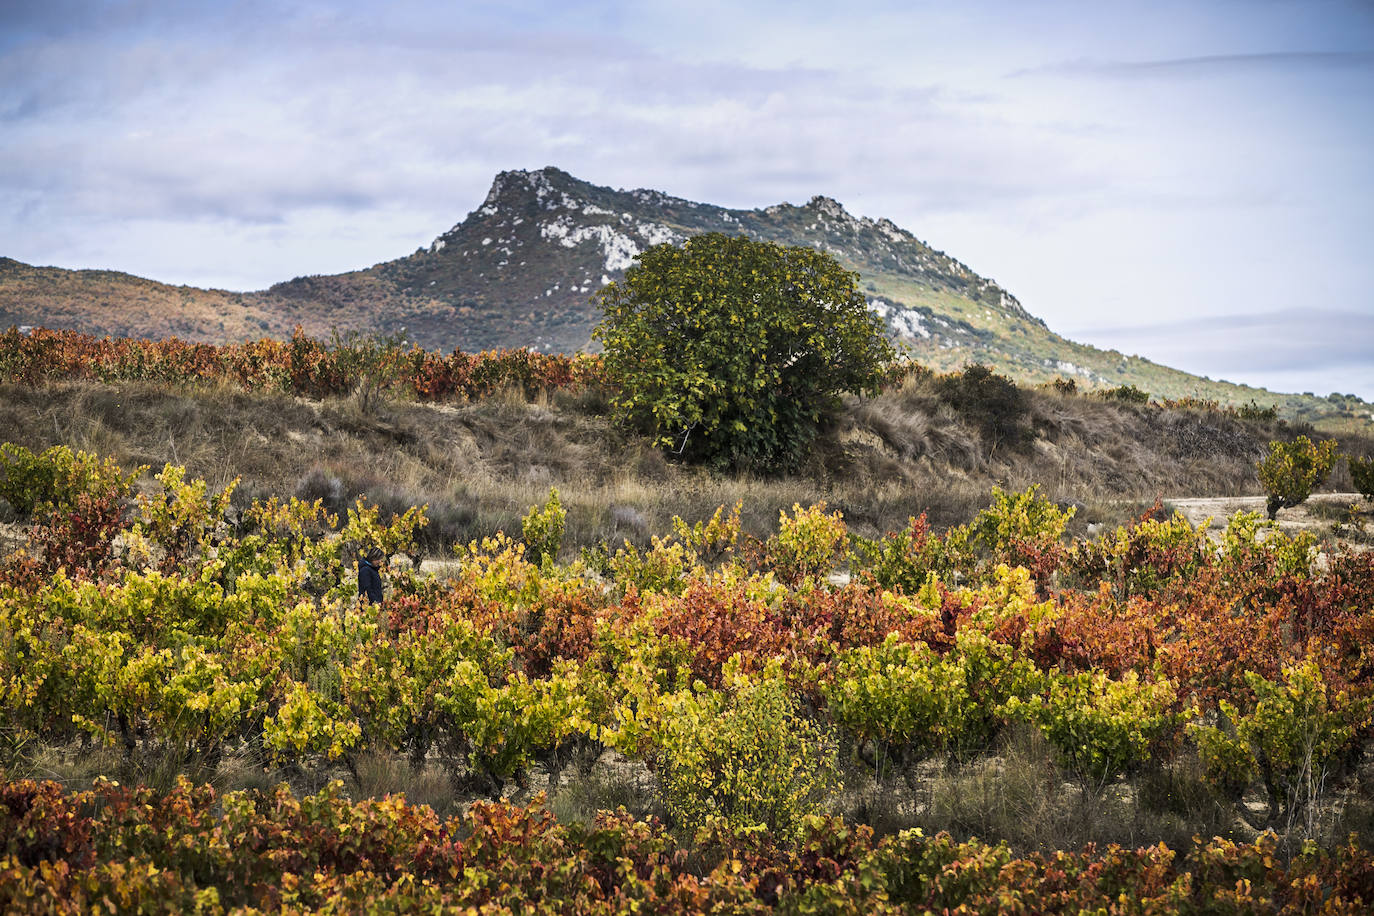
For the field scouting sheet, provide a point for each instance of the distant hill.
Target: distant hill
(520, 270)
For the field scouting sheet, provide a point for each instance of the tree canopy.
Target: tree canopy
(730, 351)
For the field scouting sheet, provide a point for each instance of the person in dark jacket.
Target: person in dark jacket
(370, 575)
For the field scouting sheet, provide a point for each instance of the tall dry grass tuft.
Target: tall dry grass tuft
(1020, 795)
(376, 774)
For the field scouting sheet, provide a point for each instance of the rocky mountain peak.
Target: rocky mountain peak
(542, 242)
(547, 188)
(829, 207)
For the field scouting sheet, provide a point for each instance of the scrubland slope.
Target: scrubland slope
(479, 466)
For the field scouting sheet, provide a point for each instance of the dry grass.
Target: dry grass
(611, 783)
(480, 466)
(378, 774)
(1018, 794)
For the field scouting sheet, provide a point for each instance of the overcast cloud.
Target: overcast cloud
(1189, 181)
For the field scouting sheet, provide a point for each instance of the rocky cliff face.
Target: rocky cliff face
(522, 267)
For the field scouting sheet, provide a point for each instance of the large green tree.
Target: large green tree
(731, 351)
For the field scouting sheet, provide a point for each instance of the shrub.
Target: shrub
(77, 538)
(57, 477)
(744, 758)
(503, 727)
(1292, 470)
(1254, 412)
(1362, 475)
(1298, 730)
(542, 530)
(730, 351)
(1128, 394)
(663, 567)
(364, 527)
(181, 520)
(369, 365)
(1100, 727)
(306, 723)
(1019, 517)
(1143, 558)
(903, 560)
(898, 695)
(992, 401)
(806, 544)
(713, 540)
(1228, 765)
(1018, 529)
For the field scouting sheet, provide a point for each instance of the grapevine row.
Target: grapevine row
(302, 365)
(171, 621)
(124, 850)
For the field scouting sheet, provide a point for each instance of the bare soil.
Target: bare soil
(1319, 515)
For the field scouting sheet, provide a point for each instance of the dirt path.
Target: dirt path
(1317, 515)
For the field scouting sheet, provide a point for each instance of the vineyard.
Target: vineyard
(306, 366)
(303, 365)
(797, 728)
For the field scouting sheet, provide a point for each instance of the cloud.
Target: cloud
(1209, 64)
(1295, 344)
(199, 126)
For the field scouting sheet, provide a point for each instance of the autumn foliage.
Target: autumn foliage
(301, 366)
(739, 673)
(194, 850)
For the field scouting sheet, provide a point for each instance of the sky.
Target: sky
(1186, 181)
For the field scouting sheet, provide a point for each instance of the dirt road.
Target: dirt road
(1316, 515)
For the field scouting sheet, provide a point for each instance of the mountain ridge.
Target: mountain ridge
(520, 270)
